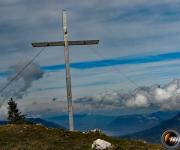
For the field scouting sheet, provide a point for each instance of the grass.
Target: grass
(38, 137)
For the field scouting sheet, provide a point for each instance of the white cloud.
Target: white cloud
(138, 101)
(167, 97)
(3, 112)
(21, 79)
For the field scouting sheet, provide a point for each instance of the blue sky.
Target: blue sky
(111, 62)
(117, 61)
(139, 43)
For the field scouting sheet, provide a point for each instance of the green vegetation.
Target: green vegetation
(38, 137)
(14, 115)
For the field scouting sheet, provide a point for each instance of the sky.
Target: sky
(134, 68)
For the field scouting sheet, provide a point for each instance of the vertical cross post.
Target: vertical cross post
(66, 43)
(68, 76)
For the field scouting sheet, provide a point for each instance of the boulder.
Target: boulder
(101, 145)
(96, 130)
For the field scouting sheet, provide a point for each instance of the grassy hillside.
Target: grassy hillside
(38, 137)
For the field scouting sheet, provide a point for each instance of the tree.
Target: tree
(14, 115)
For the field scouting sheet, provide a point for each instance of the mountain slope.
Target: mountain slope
(128, 124)
(132, 123)
(84, 122)
(115, 125)
(38, 137)
(154, 134)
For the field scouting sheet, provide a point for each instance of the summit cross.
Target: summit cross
(66, 43)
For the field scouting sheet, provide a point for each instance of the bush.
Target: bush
(14, 115)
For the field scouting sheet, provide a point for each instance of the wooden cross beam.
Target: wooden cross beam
(66, 45)
(62, 43)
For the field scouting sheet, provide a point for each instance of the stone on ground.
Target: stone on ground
(101, 145)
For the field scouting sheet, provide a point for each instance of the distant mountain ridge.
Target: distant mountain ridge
(133, 123)
(84, 122)
(154, 134)
(115, 125)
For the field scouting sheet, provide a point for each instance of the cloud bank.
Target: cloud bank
(23, 82)
(166, 97)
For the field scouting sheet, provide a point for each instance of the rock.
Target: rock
(96, 130)
(101, 145)
(84, 132)
(93, 131)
